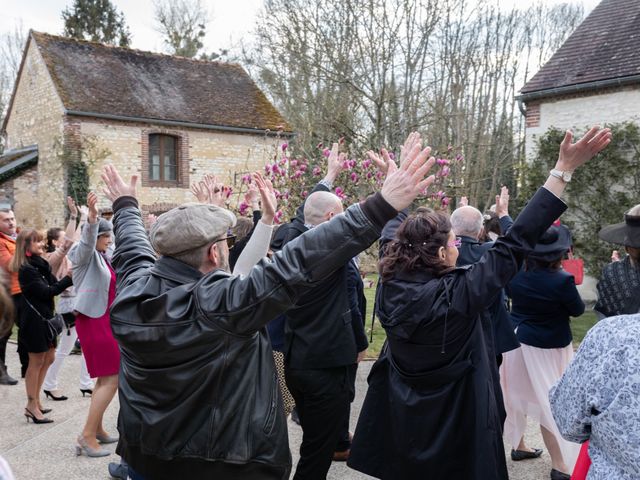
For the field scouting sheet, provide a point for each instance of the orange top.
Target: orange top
(7, 249)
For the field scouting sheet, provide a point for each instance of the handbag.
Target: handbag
(54, 324)
(574, 266)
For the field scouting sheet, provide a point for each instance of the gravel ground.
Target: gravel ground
(47, 451)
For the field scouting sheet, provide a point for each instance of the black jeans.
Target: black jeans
(322, 398)
(344, 442)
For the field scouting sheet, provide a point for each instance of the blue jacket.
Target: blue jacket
(541, 303)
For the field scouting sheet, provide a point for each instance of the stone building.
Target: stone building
(594, 77)
(77, 105)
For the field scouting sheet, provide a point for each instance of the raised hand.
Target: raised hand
(502, 203)
(403, 184)
(383, 160)
(92, 204)
(200, 191)
(464, 201)
(115, 187)
(84, 211)
(574, 155)
(252, 196)
(412, 140)
(268, 196)
(73, 210)
(334, 163)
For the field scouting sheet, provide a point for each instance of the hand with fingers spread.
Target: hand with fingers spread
(502, 203)
(84, 212)
(464, 201)
(268, 196)
(252, 196)
(383, 160)
(92, 204)
(73, 209)
(115, 187)
(574, 155)
(403, 184)
(200, 191)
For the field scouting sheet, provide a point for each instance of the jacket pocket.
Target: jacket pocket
(273, 404)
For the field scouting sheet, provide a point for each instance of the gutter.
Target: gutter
(176, 123)
(576, 88)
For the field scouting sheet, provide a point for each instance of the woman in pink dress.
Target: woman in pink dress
(95, 287)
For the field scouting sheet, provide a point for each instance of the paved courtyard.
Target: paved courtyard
(45, 452)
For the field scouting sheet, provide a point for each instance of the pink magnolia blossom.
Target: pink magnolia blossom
(369, 175)
(442, 161)
(326, 152)
(366, 164)
(440, 194)
(246, 178)
(392, 155)
(293, 163)
(352, 163)
(284, 146)
(303, 167)
(304, 194)
(243, 208)
(320, 145)
(267, 169)
(445, 171)
(339, 192)
(354, 177)
(317, 171)
(445, 201)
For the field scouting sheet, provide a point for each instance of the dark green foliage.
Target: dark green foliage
(78, 181)
(599, 193)
(96, 20)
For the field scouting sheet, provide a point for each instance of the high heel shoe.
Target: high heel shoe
(48, 394)
(44, 411)
(88, 451)
(88, 391)
(105, 439)
(34, 419)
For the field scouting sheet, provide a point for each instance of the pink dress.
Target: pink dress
(100, 349)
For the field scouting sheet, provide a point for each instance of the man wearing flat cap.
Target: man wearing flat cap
(619, 286)
(198, 391)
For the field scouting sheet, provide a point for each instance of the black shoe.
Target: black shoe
(119, 470)
(46, 410)
(33, 418)
(6, 379)
(48, 394)
(294, 416)
(558, 475)
(88, 391)
(517, 455)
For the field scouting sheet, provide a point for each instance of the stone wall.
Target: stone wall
(227, 155)
(36, 119)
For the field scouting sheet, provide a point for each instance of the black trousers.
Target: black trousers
(322, 398)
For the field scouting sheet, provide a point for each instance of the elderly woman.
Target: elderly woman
(431, 409)
(95, 290)
(598, 398)
(619, 286)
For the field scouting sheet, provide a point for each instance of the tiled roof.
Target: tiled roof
(106, 80)
(605, 46)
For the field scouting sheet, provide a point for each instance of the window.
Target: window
(163, 158)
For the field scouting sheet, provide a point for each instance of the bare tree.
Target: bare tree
(11, 46)
(183, 24)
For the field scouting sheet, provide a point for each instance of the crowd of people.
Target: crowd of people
(210, 348)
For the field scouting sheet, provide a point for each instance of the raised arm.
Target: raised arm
(81, 252)
(133, 249)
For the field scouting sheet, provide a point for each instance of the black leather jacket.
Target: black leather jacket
(197, 377)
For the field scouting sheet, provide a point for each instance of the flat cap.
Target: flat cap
(188, 227)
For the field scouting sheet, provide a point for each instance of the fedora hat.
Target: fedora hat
(553, 243)
(626, 233)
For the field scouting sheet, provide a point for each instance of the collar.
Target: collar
(175, 270)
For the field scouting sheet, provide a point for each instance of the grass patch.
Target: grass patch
(579, 325)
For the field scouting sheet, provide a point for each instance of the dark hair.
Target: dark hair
(242, 228)
(532, 263)
(491, 224)
(52, 234)
(416, 246)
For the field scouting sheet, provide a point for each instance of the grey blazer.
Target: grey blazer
(91, 275)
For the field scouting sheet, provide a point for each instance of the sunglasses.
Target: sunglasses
(231, 240)
(456, 243)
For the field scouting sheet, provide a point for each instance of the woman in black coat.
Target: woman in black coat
(431, 410)
(39, 287)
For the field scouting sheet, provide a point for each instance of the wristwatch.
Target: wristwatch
(564, 176)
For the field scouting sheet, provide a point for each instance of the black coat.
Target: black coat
(197, 386)
(39, 286)
(431, 411)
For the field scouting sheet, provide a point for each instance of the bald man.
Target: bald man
(324, 340)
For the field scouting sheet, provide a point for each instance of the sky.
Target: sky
(231, 20)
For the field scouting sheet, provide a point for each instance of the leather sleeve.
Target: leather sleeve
(353, 277)
(477, 285)
(245, 304)
(133, 253)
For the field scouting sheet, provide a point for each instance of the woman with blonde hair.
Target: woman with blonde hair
(95, 292)
(39, 286)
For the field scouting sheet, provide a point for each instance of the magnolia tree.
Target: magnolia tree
(294, 176)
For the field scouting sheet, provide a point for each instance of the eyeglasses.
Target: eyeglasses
(231, 240)
(456, 243)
